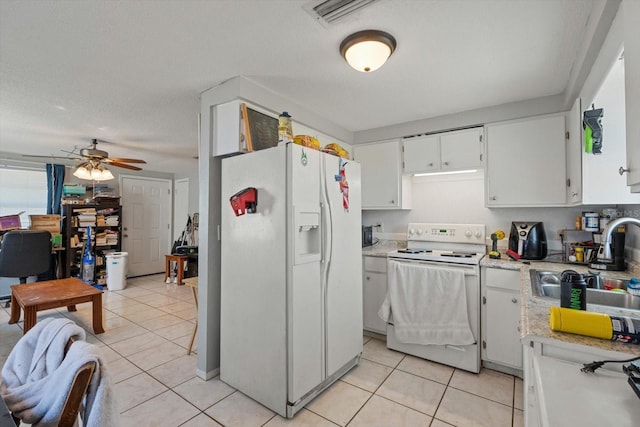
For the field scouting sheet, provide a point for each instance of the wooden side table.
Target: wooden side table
(38, 296)
(180, 259)
(192, 282)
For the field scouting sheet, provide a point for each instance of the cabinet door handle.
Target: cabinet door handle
(126, 235)
(392, 202)
(493, 198)
(446, 163)
(622, 170)
(431, 164)
(368, 278)
(514, 300)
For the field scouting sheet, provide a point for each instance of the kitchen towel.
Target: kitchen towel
(429, 305)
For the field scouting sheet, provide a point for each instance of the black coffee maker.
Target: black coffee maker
(617, 254)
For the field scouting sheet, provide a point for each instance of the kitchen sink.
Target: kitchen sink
(608, 291)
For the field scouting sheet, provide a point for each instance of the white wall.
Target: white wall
(460, 199)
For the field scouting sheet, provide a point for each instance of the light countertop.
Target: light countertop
(383, 247)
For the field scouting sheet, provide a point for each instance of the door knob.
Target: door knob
(622, 170)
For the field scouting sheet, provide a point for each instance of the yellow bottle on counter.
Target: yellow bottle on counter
(598, 325)
(579, 254)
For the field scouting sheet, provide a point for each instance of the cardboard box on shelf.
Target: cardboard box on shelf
(50, 223)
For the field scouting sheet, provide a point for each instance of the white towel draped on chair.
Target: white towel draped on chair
(429, 305)
(37, 376)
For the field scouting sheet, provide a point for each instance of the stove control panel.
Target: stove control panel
(450, 233)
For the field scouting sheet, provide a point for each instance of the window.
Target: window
(23, 190)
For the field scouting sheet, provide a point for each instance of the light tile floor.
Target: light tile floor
(148, 327)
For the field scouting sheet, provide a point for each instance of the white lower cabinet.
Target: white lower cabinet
(374, 290)
(501, 346)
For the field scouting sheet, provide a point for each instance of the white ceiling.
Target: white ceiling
(130, 72)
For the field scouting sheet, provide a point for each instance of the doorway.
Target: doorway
(180, 206)
(146, 223)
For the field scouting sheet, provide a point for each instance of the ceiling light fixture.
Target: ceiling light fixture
(93, 172)
(367, 50)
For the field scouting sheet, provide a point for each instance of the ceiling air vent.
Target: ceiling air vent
(329, 11)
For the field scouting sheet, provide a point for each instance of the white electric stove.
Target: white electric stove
(456, 247)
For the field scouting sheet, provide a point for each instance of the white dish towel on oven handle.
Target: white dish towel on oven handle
(429, 305)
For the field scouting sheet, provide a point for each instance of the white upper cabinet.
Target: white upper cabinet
(461, 150)
(573, 124)
(602, 181)
(631, 14)
(421, 154)
(525, 163)
(383, 185)
(448, 151)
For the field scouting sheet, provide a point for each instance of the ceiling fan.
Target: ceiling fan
(91, 156)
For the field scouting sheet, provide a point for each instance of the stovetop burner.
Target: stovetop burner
(459, 254)
(414, 251)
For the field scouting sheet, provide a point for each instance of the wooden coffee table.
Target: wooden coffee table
(38, 296)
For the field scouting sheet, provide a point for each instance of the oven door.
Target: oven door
(465, 357)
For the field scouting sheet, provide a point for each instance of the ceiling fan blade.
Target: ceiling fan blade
(123, 165)
(123, 160)
(51, 157)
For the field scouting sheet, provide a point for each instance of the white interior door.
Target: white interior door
(180, 206)
(146, 223)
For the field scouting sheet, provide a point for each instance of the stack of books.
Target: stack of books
(112, 221)
(111, 237)
(86, 217)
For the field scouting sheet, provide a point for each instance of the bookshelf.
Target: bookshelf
(105, 220)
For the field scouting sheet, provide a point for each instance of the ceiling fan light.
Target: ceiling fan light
(367, 50)
(106, 175)
(101, 174)
(82, 172)
(93, 173)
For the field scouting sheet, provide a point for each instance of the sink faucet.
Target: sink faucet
(605, 254)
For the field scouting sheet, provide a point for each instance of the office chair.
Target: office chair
(25, 253)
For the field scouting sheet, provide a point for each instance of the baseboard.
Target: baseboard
(207, 375)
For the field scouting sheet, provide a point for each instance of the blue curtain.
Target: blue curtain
(55, 180)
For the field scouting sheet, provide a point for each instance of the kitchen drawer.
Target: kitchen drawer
(504, 279)
(375, 263)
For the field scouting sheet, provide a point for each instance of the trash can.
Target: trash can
(116, 270)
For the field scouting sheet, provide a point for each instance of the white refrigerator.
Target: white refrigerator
(291, 279)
